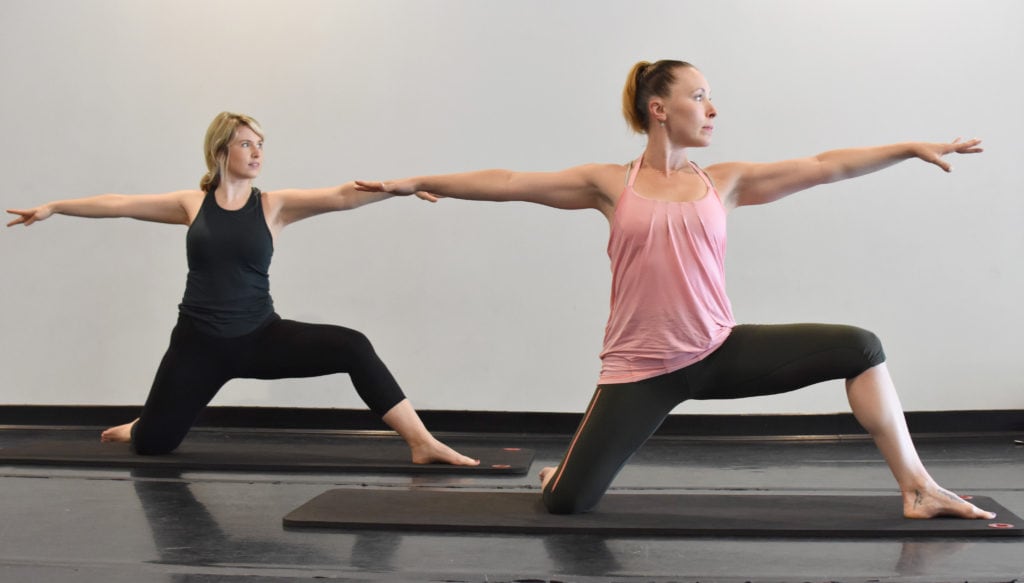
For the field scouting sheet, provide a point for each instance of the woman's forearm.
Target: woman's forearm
(853, 162)
(487, 185)
(97, 207)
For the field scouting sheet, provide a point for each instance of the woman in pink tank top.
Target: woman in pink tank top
(671, 334)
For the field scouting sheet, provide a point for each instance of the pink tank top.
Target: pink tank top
(668, 305)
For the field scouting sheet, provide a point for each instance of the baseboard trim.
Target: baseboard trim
(984, 422)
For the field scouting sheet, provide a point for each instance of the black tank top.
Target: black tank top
(228, 288)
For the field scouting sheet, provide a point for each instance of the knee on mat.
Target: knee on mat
(563, 504)
(153, 445)
(147, 449)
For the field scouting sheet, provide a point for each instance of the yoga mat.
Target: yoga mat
(381, 455)
(638, 515)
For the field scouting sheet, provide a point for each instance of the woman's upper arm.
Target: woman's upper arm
(177, 208)
(290, 205)
(580, 187)
(751, 183)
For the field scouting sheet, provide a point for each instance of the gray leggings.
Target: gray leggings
(753, 361)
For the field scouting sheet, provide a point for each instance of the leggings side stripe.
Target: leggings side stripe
(579, 431)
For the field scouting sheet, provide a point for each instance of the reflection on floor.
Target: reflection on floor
(85, 525)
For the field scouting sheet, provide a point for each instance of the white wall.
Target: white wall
(502, 307)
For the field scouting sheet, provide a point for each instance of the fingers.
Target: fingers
(426, 196)
(395, 187)
(934, 153)
(23, 217)
(968, 147)
(946, 166)
(371, 186)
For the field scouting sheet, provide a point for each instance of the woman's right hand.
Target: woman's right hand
(395, 187)
(28, 216)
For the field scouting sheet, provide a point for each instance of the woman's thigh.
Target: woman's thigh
(770, 359)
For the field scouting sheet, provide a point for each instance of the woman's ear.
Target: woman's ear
(656, 109)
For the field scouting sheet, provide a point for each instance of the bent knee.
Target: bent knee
(358, 342)
(869, 347)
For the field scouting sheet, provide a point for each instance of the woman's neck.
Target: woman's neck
(233, 189)
(665, 159)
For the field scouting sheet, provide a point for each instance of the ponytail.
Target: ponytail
(634, 117)
(647, 80)
(210, 181)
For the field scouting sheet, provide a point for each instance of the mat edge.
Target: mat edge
(922, 423)
(412, 527)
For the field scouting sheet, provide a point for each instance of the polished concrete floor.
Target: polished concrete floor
(84, 525)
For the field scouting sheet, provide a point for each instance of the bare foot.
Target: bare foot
(119, 434)
(938, 501)
(546, 475)
(436, 452)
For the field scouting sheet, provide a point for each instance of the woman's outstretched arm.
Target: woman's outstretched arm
(746, 183)
(291, 205)
(580, 187)
(171, 208)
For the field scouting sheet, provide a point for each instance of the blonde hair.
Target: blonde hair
(647, 80)
(215, 147)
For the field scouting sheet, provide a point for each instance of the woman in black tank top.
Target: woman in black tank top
(227, 327)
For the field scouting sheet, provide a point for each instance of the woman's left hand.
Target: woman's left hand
(933, 153)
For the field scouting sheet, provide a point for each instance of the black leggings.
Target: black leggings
(196, 366)
(753, 361)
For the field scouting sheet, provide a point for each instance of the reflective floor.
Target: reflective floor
(85, 525)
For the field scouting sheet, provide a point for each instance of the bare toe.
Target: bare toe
(439, 453)
(933, 502)
(118, 434)
(545, 476)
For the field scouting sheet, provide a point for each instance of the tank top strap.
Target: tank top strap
(210, 198)
(634, 170)
(703, 176)
(258, 202)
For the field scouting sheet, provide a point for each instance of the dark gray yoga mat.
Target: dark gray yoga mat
(365, 455)
(638, 515)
